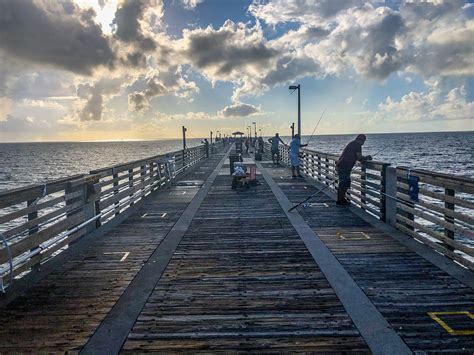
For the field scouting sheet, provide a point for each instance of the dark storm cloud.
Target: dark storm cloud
(127, 21)
(239, 110)
(54, 33)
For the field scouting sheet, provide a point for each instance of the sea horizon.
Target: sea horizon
(265, 135)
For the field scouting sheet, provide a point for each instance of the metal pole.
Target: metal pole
(255, 127)
(299, 111)
(184, 146)
(211, 137)
(292, 130)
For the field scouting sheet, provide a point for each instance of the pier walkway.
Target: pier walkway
(201, 267)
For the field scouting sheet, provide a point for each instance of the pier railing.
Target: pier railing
(442, 217)
(39, 221)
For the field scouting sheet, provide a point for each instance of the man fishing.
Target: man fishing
(351, 153)
(295, 146)
(275, 150)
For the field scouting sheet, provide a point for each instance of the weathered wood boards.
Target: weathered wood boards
(242, 280)
(61, 312)
(403, 286)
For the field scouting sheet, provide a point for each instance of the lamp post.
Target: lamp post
(217, 135)
(255, 128)
(249, 129)
(298, 87)
(260, 131)
(211, 137)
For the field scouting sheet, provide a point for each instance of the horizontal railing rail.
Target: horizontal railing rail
(39, 221)
(442, 217)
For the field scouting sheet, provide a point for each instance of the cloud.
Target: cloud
(5, 108)
(41, 104)
(365, 39)
(229, 52)
(439, 38)
(313, 12)
(92, 109)
(190, 4)
(239, 110)
(53, 33)
(159, 83)
(93, 97)
(130, 24)
(431, 38)
(430, 106)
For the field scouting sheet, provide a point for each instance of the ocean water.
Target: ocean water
(23, 164)
(444, 152)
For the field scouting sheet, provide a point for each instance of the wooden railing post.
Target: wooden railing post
(33, 230)
(450, 206)
(130, 184)
(389, 187)
(320, 174)
(91, 208)
(363, 186)
(142, 174)
(406, 214)
(32, 216)
(326, 173)
(115, 184)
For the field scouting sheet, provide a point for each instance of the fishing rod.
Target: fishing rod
(380, 151)
(317, 124)
(309, 197)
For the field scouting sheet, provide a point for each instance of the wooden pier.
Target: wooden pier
(180, 262)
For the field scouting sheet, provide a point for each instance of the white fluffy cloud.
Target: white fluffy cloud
(239, 110)
(159, 83)
(433, 105)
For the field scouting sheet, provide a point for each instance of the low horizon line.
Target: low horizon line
(174, 138)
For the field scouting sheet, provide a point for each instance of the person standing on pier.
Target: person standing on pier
(351, 153)
(206, 147)
(260, 145)
(247, 145)
(295, 146)
(275, 150)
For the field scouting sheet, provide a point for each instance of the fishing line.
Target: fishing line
(317, 124)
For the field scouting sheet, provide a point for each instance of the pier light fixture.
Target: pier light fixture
(255, 128)
(294, 88)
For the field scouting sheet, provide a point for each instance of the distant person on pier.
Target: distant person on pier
(275, 150)
(295, 146)
(260, 144)
(247, 145)
(350, 155)
(206, 147)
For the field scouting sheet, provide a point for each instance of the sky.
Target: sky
(88, 70)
